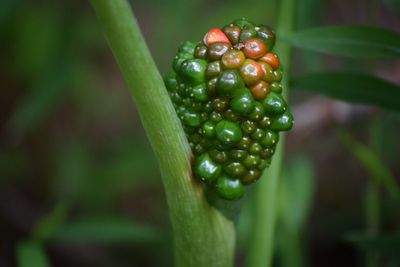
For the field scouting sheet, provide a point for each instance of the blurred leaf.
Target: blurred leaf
(31, 254)
(351, 41)
(49, 224)
(295, 195)
(372, 164)
(308, 16)
(39, 102)
(13, 164)
(296, 192)
(7, 10)
(351, 87)
(388, 245)
(38, 40)
(105, 230)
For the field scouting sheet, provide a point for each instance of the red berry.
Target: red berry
(215, 35)
(254, 48)
(272, 59)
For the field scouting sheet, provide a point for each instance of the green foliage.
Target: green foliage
(50, 224)
(105, 230)
(351, 87)
(296, 193)
(31, 254)
(373, 164)
(350, 41)
(387, 245)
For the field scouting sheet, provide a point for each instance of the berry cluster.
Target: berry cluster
(226, 91)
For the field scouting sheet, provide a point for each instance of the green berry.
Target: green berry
(179, 59)
(237, 154)
(187, 47)
(283, 122)
(232, 32)
(208, 129)
(171, 82)
(267, 152)
(257, 113)
(244, 143)
(243, 102)
(276, 87)
(277, 75)
(217, 50)
(247, 32)
(274, 104)
(200, 51)
(236, 169)
(206, 169)
(220, 104)
(193, 70)
(251, 176)
(255, 148)
(258, 134)
(267, 35)
(199, 93)
(270, 139)
(176, 98)
(229, 82)
(191, 119)
(264, 163)
(248, 126)
(212, 86)
(251, 161)
(230, 115)
(213, 69)
(242, 22)
(215, 116)
(228, 133)
(218, 156)
(229, 188)
(265, 122)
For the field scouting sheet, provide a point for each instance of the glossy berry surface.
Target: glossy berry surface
(227, 93)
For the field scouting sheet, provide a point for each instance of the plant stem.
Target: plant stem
(261, 247)
(203, 236)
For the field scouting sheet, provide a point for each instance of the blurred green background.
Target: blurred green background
(79, 185)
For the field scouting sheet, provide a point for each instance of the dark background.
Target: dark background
(77, 171)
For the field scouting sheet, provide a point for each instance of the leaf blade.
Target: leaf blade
(105, 230)
(351, 87)
(31, 254)
(349, 41)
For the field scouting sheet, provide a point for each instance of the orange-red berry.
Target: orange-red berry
(215, 35)
(254, 48)
(251, 72)
(260, 90)
(272, 59)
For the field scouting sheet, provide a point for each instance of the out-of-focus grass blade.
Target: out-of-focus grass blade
(49, 224)
(372, 164)
(105, 230)
(296, 192)
(39, 102)
(386, 245)
(351, 87)
(350, 41)
(295, 198)
(31, 254)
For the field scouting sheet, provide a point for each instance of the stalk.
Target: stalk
(203, 236)
(261, 247)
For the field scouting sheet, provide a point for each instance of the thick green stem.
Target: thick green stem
(261, 247)
(203, 236)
